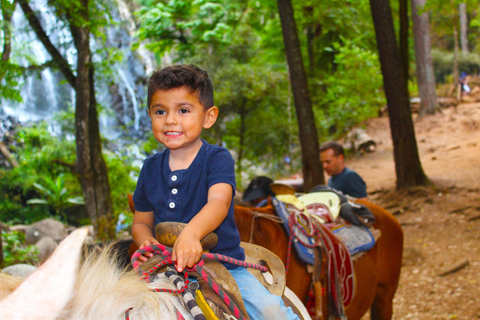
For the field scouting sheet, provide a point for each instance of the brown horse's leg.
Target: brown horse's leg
(389, 261)
(365, 286)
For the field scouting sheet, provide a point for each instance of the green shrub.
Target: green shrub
(16, 251)
(468, 62)
(355, 91)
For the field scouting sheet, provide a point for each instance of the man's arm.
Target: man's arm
(187, 249)
(357, 187)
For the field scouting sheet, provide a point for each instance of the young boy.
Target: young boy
(193, 182)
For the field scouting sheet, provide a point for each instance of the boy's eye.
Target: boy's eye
(183, 110)
(159, 112)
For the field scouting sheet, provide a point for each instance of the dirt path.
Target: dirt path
(441, 223)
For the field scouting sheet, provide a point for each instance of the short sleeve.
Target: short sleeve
(139, 196)
(221, 169)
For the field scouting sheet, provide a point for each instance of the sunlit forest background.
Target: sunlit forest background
(240, 44)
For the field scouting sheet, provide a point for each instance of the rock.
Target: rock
(45, 228)
(46, 246)
(454, 267)
(20, 270)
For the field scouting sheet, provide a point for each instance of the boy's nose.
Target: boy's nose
(171, 119)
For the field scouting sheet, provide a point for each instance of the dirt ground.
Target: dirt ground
(441, 266)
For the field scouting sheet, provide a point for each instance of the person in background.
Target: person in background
(464, 88)
(342, 178)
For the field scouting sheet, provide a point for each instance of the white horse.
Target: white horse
(65, 287)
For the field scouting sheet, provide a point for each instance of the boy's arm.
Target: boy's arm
(187, 249)
(142, 231)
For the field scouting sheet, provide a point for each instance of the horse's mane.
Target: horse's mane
(103, 291)
(68, 287)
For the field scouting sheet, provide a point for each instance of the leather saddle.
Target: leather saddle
(167, 233)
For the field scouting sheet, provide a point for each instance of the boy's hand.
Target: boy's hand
(147, 255)
(187, 251)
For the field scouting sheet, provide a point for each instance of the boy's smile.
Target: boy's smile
(178, 118)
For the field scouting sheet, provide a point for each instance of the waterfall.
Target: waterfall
(121, 94)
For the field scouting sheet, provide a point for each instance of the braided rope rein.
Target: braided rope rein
(167, 253)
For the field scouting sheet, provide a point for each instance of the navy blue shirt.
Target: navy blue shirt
(179, 195)
(349, 182)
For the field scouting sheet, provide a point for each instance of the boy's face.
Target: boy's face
(178, 118)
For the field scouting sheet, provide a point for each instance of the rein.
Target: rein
(166, 252)
(268, 216)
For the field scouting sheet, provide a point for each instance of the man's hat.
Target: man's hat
(259, 187)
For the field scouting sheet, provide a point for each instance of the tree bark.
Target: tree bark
(312, 168)
(90, 165)
(423, 59)
(404, 26)
(408, 168)
(462, 8)
(7, 13)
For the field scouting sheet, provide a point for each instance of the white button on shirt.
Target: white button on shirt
(174, 178)
(174, 190)
(171, 205)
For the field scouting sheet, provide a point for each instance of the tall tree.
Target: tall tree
(89, 166)
(423, 58)
(455, 56)
(408, 168)
(312, 168)
(462, 8)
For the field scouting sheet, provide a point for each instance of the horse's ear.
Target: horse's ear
(45, 293)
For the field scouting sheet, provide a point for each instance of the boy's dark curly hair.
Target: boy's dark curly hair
(183, 75)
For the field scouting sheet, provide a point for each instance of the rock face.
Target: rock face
(19, 270)
(45, 228)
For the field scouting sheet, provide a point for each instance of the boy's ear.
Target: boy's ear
(211, 117)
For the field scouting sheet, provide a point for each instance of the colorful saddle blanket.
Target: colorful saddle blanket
(341, 241)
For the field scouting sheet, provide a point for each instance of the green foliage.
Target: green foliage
(39, 156)
(354, 93)
(120, 176)
(43, 178)
(187, 25)
(16, 251)
(55, 196)
(9, 82)
(468, 62)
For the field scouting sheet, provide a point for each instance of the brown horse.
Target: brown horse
(376, 273)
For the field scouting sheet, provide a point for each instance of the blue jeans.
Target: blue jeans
(259, 303)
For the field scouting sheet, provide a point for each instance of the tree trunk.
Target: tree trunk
(455, 60)
(462, 7)
(90, 166)
(407, 163)
(404, 26)
(423, 59)
(308, 11)
(7, 13)
(312, 168)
